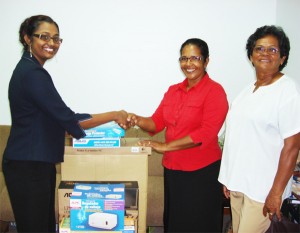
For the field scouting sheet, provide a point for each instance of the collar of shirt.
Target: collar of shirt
(200, 84)
(26, 55)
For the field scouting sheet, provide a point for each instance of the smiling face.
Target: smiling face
(194, 70)
(263, 60)
(43, 50)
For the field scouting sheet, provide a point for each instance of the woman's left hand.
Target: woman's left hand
(158, 146)
(226, 192)
(272, 206)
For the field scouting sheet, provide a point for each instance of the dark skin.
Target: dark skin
(194, 71)
(44, 51)
(98, 119)
(267, 72)
(286, 166)
(147, 124)
(266, 64)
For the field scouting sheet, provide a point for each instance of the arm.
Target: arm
(145, 123)
(215, 108)
(42, 92)
(285, 170)
(179, 144)
(98, 119)
(149, 124)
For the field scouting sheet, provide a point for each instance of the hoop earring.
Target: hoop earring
(30, 50)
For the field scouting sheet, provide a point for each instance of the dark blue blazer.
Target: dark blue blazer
(40, 117)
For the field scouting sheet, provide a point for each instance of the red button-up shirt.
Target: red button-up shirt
(198, 112)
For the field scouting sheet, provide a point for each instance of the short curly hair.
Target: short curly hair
(283, 41)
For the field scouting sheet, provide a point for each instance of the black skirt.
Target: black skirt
(193, 201)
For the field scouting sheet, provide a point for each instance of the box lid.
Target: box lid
(128, 146)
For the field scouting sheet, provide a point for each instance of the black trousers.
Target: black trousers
(31, 188)
(193, 200)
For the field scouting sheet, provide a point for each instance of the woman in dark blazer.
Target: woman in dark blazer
(40, 120)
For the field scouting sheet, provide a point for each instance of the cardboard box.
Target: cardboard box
(129, 162)
(107, 130)
(131, 218)
(64, 225)
(96, 143)
(129, 229)
(65, 190)
(97, 207)
(130, 223)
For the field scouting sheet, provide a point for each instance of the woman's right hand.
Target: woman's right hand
(121, 118)
(145, 123)
(226, 192)
(132, 119)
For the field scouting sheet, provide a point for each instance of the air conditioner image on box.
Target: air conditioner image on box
(103, 220)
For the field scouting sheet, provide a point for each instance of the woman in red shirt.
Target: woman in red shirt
(192, 112)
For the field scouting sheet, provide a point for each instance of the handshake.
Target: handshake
(126, 120)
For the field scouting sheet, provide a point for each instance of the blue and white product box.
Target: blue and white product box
(108, 130)
(96, 143)
(97, 207)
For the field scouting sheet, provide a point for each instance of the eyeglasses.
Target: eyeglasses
(47, 38)
(269, 50)
(191, 58)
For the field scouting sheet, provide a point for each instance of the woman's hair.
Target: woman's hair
(283, 41)
(201, 44)
(30, 25)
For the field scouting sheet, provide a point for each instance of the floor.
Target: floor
(10, 228)
(226, 226)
